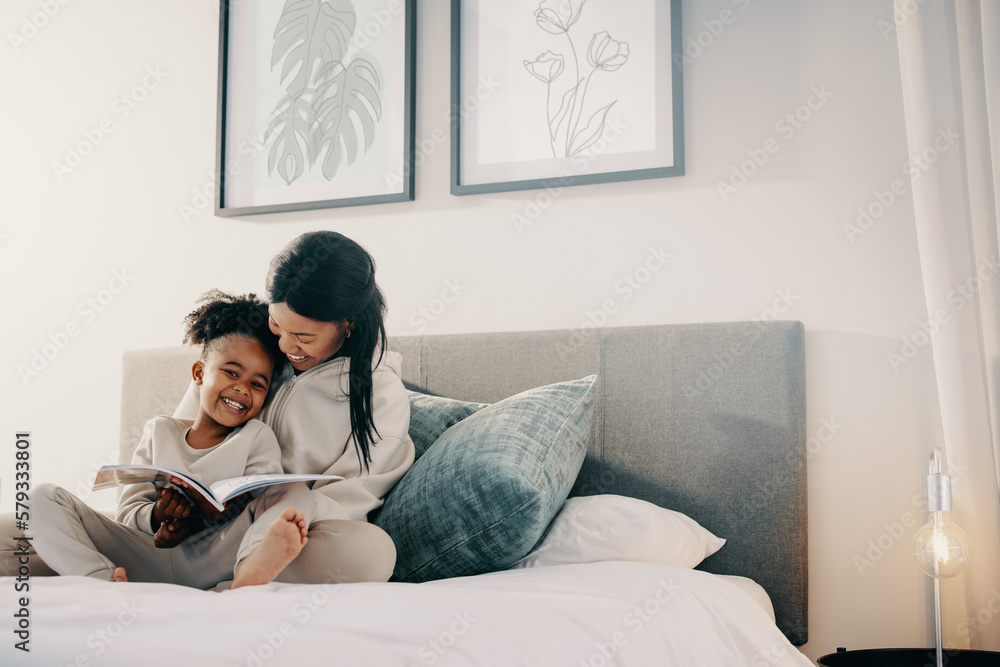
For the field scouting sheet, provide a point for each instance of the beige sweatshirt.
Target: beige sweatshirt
(251, 449)
(310, 415)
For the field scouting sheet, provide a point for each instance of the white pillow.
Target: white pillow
(608, 527)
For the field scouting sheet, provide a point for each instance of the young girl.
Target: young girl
(343, 409)
(157, 535)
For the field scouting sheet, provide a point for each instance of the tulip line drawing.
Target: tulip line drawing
(332, 92)
(604, 54)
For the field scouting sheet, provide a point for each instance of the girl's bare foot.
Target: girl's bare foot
(282, 543)
(119, 575)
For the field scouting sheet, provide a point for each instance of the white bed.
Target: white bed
(612, 612)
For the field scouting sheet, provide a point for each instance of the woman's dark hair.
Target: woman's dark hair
(326, 276)
(221, 315)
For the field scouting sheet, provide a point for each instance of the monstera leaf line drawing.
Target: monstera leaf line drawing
(346, 93)
(331, 105)
(291, 127)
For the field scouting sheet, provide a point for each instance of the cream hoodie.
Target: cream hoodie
(249, 449)
(310, 415)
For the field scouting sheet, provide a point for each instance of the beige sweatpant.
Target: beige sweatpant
(74, 539)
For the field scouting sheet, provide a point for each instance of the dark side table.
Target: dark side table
(909, 657)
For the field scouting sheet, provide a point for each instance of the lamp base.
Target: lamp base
(909, 657)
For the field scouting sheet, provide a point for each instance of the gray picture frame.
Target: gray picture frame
(406, 189)
(670, 51)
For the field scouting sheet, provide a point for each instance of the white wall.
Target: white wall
(61, 242)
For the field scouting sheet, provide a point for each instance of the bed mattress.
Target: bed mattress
(611, 612)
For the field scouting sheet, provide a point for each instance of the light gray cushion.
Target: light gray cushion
(482, 495)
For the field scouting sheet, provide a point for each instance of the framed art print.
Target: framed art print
(315, 104)
(564, 92)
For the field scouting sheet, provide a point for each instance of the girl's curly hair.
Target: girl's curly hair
(221, 315)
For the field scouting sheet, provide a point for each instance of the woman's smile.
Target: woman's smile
(322, 339)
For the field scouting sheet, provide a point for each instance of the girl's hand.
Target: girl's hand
(173, 532)
(207, 509)
(170, 504)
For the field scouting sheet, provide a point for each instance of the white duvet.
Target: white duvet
(598, 614)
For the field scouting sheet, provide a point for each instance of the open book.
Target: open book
(216, 494)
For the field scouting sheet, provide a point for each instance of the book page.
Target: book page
(109, 476)
(225, 489)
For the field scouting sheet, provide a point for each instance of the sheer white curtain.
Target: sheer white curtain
(949, 54)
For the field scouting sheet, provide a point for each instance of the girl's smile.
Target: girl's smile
(235, 405)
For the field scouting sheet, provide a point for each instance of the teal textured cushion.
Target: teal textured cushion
(430, 416)
(482, 495)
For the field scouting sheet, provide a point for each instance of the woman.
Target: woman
(340, 407)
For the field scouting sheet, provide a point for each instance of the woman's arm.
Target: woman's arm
(392, 453)
(315, 436)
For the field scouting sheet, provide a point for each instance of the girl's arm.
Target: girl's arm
(264, 456)
(135, 501)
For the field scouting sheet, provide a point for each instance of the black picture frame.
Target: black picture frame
(317, 135)
(668, 61)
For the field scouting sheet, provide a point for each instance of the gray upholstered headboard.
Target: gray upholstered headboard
(706, 419)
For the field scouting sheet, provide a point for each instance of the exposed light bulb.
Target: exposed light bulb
(941, 547)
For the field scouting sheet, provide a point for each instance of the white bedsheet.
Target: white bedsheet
(754, 590)
(608, 613)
